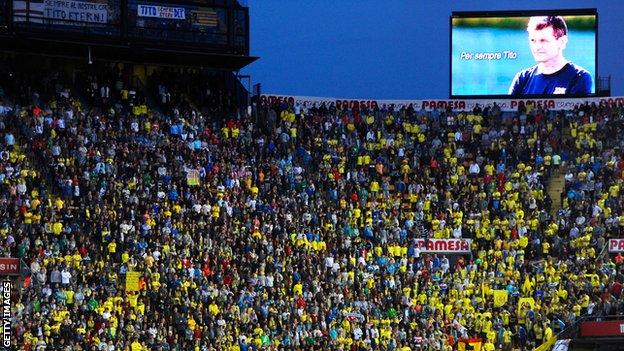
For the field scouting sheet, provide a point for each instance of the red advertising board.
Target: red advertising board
(606, 328)
(9, 266)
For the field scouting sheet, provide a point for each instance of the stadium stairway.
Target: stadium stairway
(153, 100)
(556, 186)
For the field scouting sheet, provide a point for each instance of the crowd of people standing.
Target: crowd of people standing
(301, 229)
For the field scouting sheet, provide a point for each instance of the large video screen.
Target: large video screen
(545, 53)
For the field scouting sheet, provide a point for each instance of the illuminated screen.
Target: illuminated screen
(539, 54)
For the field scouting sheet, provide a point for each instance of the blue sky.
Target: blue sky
(386, 49)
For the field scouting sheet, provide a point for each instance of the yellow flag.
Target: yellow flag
(500, 298)
(547, 345)
(132, 281)
(528, 300)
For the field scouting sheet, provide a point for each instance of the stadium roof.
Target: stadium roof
(132, 52)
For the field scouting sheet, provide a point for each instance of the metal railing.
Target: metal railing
(81, 27)
(224, 25)
(190, 36)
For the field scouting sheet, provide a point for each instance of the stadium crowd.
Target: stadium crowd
(300, 230)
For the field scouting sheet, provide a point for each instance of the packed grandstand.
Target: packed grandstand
(167, 218)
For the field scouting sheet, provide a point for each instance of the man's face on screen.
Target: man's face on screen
(544, 45)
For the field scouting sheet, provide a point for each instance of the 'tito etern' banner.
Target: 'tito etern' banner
(507, 105)
(61, 12)
(76, 11)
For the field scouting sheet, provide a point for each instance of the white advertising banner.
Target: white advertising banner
(178, 13)
(616, 245)
(450, 246)
(76, 11)
(508, 105)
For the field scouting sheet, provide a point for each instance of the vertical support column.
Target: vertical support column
(230, 14)
(124, 19)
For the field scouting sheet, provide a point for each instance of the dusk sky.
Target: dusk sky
(394, 49)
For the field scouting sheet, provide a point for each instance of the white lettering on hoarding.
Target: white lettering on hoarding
(161, 12)
(616, 245)
(444, 245)
(11, 267)
(507, 105)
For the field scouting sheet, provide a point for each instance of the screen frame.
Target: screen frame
(521, 13)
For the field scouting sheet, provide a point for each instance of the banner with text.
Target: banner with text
(507, 105)
(76, 11)
(133, 281)
(451, 246)
(9, 266)
(616, 245)
(176, 13)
